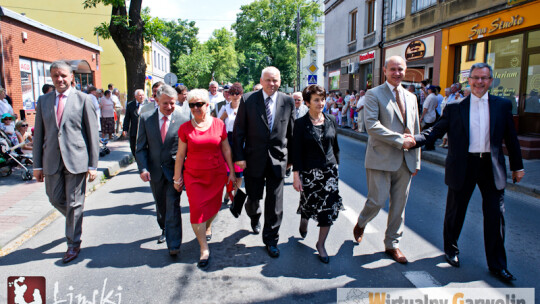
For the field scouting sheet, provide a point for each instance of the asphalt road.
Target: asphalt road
(121, 261)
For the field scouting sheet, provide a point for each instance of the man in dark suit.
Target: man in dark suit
(261, 140)
(157, 143)
(66, 150)
(131, 120)
(476, 127)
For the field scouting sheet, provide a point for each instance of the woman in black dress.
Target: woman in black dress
(315, 167)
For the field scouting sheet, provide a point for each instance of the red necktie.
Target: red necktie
(59, 109)
(164, 129)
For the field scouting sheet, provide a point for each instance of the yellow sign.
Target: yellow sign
(312, 68)
(497, 24)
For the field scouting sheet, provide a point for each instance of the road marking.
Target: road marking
(421, 279)
(352, 217)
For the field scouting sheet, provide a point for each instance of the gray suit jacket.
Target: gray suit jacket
(155, 156)
(385, 127)
(76, 141)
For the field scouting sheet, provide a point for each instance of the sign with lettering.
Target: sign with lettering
(496, 24)
(367, 56)
(415, 50)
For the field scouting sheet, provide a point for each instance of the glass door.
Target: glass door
(529, 119)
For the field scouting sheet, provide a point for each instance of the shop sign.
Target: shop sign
(415, 50)
(497, 24)
(333, 78)
(25, 67)
(367, 56)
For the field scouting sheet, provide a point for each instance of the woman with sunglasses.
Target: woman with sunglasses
(21, 130)
(228, 115)
(201, 161)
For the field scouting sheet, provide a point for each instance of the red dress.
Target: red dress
(205, 172)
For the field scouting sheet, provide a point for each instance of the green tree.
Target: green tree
(194, 68)
(266, 34)
(221, 47)
(180, 37)
(129, 31)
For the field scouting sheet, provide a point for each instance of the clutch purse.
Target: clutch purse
(238, 203)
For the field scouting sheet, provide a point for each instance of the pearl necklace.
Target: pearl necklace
(199, 125)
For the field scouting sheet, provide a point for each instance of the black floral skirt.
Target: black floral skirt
(320, 199)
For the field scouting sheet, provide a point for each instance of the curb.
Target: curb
(440, 159)
(110, 171)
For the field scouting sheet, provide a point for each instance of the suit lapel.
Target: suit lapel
(392, 98)
(172, 124)
(153, 122)
(261, 109)
(67, 107)
(464, 108)
(280, 108)
(492, 116)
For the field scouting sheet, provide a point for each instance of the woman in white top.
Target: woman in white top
(107, 115)
(228, 115)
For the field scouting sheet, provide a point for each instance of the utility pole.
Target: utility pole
(298, 48)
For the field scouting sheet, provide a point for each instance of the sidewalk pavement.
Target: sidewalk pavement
(530, 184)
(24, 204)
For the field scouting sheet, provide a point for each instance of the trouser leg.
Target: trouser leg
(378, 192)
(399, 192)
(173, 222)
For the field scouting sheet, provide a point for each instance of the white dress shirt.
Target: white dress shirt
(66, 94)
(5, 107)
(273, 99)
(479, 125)
(161, 115)
(401, 95)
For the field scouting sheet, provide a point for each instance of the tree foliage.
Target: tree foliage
(221, 47)
(266, 34)
(194, 68)
(180, 37)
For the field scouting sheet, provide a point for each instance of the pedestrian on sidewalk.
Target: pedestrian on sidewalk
(201, 161)
(66, 150)
(106, 105)
(315, 167)
(476, 127)
(157, 143)
(391, 117)
(131, 119)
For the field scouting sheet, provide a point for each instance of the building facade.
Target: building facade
(70, 16)
(352, 53)
(28, 48)
(312, 64)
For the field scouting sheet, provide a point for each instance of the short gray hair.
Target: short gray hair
(271, 69)
(61, 64)
(393, 58)
(481, 65)
(115, 90)
(167, 90)
(138, 90)
(213, 83)
(199, 94)
(297, 93)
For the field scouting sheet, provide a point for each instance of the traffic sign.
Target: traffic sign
(312, 79)
(170, 79)
(312, 68)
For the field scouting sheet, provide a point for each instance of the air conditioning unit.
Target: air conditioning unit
(350, 69)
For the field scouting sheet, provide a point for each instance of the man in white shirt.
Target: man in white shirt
(5, 107)
(476, 127)
(429, 112)
(214, 96)
(300, 109)
(115, 97)
(360, 110)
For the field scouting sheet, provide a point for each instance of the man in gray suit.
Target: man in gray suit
(66, 150)
(157, 143)
(391, 118)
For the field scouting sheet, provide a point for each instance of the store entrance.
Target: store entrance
(529, 120)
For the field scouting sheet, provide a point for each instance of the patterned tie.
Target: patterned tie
(59, 109)
(268, 112)
(164, 129)
(401, 106)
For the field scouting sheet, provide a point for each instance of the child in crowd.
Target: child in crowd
(337, 113)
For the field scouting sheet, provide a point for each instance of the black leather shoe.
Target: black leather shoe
(162, 237)
(203, 263)
(303, 228)
(452, 259)
(273, 251)
(71, 254)
(325, 259)
(503, 275)
(256, 226)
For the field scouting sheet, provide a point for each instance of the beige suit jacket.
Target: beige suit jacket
(385, 126)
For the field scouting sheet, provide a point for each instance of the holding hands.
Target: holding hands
(409, 141)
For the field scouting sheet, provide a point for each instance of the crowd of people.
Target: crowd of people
(204, 142)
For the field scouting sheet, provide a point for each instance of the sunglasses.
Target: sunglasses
(8, 118)
(235, 94)
(196, 104)
(24, 126)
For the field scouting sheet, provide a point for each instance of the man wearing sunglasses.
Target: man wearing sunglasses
(262, 137)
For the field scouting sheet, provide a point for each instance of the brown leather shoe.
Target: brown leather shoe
(71, 254)
(397, 255)
(358, 233)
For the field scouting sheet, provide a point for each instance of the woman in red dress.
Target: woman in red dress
(201, 160)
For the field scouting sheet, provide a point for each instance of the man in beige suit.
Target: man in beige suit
(391, 118)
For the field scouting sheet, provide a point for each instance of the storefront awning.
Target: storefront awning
(80, 66)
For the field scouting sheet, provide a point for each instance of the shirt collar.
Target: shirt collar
(392, 87)
(273, 97)
(66, 92)
(484, 98)
(161, 115)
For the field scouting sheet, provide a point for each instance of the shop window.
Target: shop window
(532, 96)
(534, 39)
(370, 18)
(418, 5)
(505, 56)
(397, 10)
(471, 52)
(352, 25)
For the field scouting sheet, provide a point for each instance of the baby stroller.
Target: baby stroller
(11, 157)
(104, 150)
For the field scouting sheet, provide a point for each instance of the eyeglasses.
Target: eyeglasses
(297, 99)
(196, 104)
(476, 78)
(235, 94)
(8, 118)
(24, 126)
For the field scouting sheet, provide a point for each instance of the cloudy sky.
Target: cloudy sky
(207, 14)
